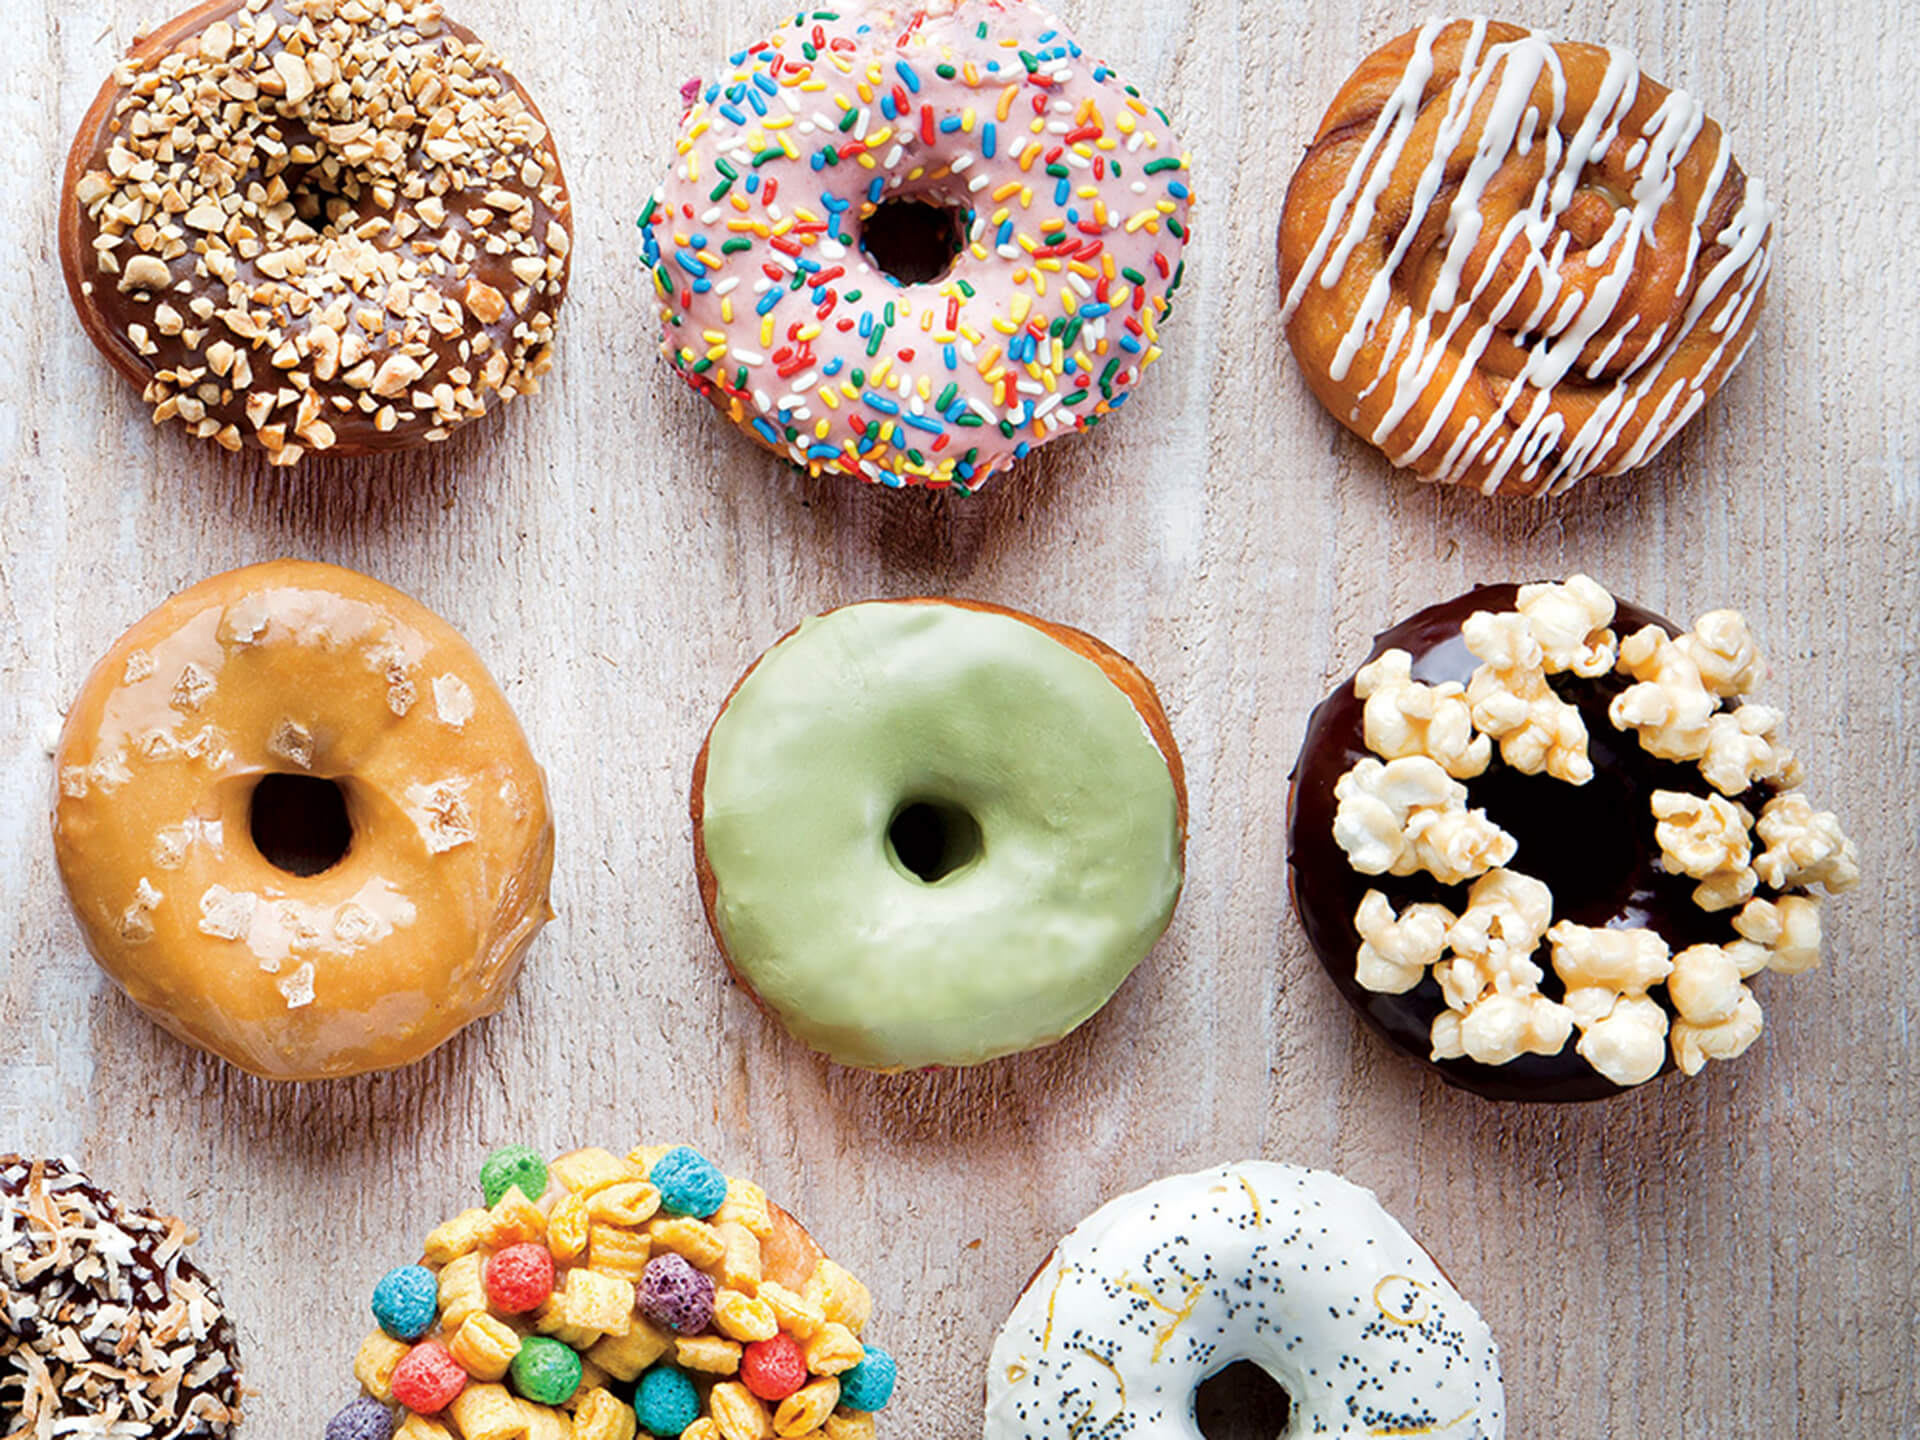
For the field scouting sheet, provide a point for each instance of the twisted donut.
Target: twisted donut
(1513, 262)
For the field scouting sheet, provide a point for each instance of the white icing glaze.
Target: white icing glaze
(1296, 1270)
(1492, 109)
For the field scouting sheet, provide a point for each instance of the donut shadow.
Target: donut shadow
(340, 499)
(966, 1105)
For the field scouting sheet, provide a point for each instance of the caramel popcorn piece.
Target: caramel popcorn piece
(1705, 837)
(1670, 706)
(1408, 815)
(1512, 702)
(1804, 847)
(1607, 973)
(1403, 717)
(1395, 950)
(1787, 928)
(1723, 651)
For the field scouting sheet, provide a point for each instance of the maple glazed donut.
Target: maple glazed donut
(299, 824)
(317, 225)
(1509, 768)
(932, 832)
(1511, 262)
(909, 244)
(1298, 1271)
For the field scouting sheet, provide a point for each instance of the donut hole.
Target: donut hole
(1241, 1402)
(932, 839)
(914, 241)
(325, 195)
(299, 823)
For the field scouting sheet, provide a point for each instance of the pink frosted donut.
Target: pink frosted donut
(909, 245)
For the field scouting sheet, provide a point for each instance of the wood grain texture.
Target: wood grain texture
(1731, 1256)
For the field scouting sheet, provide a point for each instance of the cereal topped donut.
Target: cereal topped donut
(910, 244)
(317, 225)
(1545, 838)
(603, 1296)
(299, 823)
(1511, 261)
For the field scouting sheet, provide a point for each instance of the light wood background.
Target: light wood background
(1731, 1256)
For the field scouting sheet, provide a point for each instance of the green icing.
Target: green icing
(872, 708)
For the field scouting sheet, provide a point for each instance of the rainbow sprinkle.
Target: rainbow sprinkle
(1071, 193)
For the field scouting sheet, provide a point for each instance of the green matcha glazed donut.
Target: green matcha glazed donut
(933, 832)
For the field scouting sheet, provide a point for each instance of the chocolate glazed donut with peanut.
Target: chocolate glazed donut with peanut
(317, 225)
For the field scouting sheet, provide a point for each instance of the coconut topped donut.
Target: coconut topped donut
(908, 245)
(106, 1325)
(1509, 771)
(317, 225)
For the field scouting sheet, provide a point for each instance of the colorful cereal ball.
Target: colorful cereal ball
(545, 1371)
(428, 1378)
(407, 1301)
(773, 1369)
(511, 1166)
(675, 1296)
(869, 1385)
(689, 1183)
(665, 1401)
(519, 1279)
(365, 1419)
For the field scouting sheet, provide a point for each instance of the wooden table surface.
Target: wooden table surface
(1733, 1255)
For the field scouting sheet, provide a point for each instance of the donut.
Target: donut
(107, 1327)
(910, 244)
(299, 824)
(933, 832)
(598, 1294)
(306, 225)
(1548, 763)
(1511, 262)
(1298, 1271)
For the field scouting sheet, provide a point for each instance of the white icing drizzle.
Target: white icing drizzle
(1524, 441)
(1296, 1270)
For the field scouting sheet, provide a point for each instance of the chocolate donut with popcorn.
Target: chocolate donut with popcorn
(603, 1298)
(1544, 839)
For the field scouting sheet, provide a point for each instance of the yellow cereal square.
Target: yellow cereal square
(544, 1423)
(701, 1429)
(585, 1171)
(631, 1202)
(643, 1158)
(599, 1302)
(848, 1425)
(514, 1220)
(380, 1354)
(746, 1203)
(841, 1298)
(461, 1291)
(738, 1413)
(798, 1316)
(625, 1356)
(708, 1354)
(567, 1228)
(554, 1321)
(740, 1316)
(740, 1265)
(598, 1416)
(485, 1346)
(832, 1350)
(419, 1427)
(456, 1237)
(614, 1251)
(806, 1409)
(694, 1240)
(592, 1377)
(487, 1412)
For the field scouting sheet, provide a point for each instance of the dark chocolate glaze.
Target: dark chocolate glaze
(1593, 845)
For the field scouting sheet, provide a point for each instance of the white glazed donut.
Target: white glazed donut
(1296, 1270)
